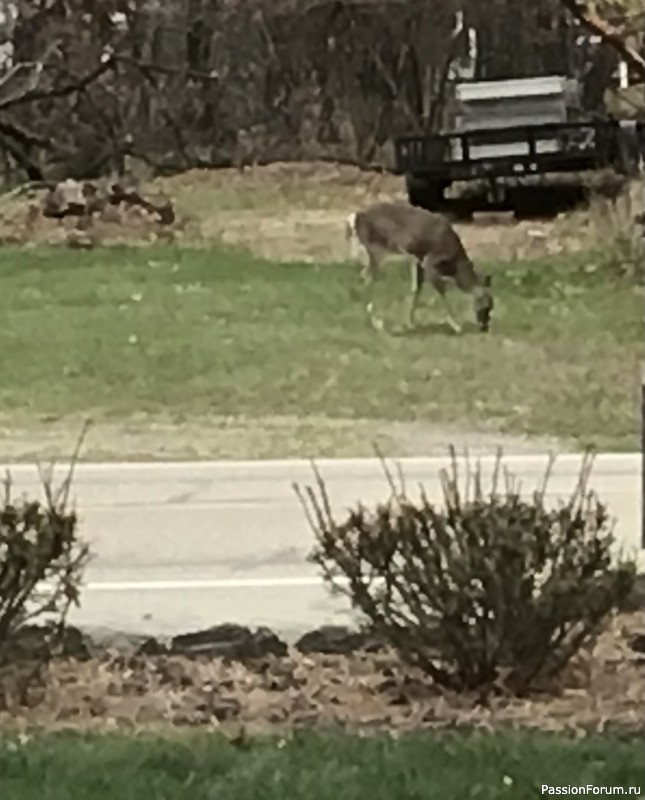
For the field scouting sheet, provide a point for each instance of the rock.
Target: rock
(105, 642)
(337, 640)
(65, 199)
(36, 642)
(231, 641)
(151, 647)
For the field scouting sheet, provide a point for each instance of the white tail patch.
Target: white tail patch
(355, 248)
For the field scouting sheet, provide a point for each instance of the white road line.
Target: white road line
(225, 583)
(616, 460)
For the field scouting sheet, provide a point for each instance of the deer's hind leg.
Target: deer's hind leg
(368, 274)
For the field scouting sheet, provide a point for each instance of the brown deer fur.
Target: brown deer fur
(438, 253)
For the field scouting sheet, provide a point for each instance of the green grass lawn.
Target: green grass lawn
(217, 333)
(313, 767)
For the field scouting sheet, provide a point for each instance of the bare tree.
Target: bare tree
(181, 83)
(619, 23)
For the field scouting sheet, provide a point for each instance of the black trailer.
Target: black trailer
(512, 162)
(523, 116)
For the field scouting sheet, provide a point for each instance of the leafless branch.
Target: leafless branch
(73, 87)
(589, 17)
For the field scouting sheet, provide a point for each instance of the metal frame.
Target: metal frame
(431, 155)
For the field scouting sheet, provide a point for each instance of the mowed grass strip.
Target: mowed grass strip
(313, 767)
(216, 332)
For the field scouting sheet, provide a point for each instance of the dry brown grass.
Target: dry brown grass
(609, 227)
(179, 437)
(288, 212)
(295, 212)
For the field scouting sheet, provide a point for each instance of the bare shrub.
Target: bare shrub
(492, 591)
(609, 229)
(615, 232)
(42, 559)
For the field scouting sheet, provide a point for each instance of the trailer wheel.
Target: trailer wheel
(628, 151)
(425, 193)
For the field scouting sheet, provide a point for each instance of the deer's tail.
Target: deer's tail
(350, 227)
(352, 237)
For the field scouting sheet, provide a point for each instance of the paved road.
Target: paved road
(186, 545)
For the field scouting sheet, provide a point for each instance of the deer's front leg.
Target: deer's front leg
(418, 279)
(439, 283)
(450, 319)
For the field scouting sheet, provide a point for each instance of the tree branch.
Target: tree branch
(62, 91)
(591, 20)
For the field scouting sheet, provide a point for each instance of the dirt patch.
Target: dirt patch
(281, 210)
(602, 688)
(164, 438)
(297, 211)
(292, 212)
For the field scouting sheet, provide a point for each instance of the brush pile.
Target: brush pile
(86, 214)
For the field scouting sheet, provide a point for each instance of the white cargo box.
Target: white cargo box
(517, 87)
(511, 103)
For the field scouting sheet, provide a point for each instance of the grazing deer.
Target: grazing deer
(439, 256)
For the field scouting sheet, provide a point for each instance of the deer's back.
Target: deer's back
(399, 227)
